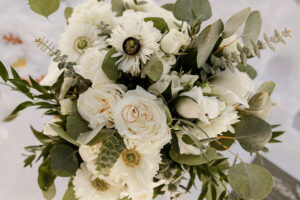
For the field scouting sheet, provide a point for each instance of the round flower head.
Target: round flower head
(96, 105)
(135, 41)
(141, 120)
(78, 38)
(90, 187)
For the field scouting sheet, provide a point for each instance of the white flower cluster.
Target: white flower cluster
(137, 115)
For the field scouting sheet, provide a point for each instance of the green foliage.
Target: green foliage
(207, 40)
(223, 142)
(20, 107)
(3, 72)
(70, 193)
(76, 125)
(192, 11)
(253, 133)
(154, 68)
(250, 181)
(28, 161)
(68, 12)
(89, 136)
(44, 7)
(110, 67)
(63, 160)
(46, 176)
(102, 135)
(118, 6)
(109, 153)
(50, 193)
(252, 29)
(235, 22)
(268, 87)
(247, 69)
(168, 6)
(158, 23)
(63, 134)
(40, 136)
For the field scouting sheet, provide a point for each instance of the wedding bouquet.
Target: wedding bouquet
(144, 100)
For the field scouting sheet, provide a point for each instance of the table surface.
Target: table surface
(17, 183)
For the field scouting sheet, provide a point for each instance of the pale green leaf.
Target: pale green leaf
(76, 125)
(68, 12)
(235, 22)
(63, 134)
(69, 194)
(247, 69)
(168, 6)
(85, 138)
(109, 65)
(252, 28)
(207, 40)
(44, 7)
(154, 68)
(268, 87)
(118, 6)
(192, 11)
(50, 193)
(250, 181)
(158, 23)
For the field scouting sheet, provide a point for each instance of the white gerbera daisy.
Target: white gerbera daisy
(78, 38)
(93, 12)
(135, 41)
(90, 187)
(139, 166)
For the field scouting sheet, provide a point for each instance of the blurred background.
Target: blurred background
(20, 26)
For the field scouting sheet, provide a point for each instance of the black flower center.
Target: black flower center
(131, 46)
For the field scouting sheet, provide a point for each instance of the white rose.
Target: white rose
(173, 41)
(90, 66)
(89, 153)
(234, 87)
(96, 105)
(141, 120)
(53, 73)
(198, 106)
(66, 106)
(47, 130)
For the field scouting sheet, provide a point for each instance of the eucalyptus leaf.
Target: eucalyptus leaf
(225, 142)
(192, 11)
(102, 135)
(46, 176)
(67, 13)
(3, 72)
(247, 69)
(50, 193)
(268, 87)
(63, 134)
(109, 65)
(76, 125)
(252, 28)
(168, 6)
(253, 133)
(85, 138)
(118, 6)
(154, 68)
(44, 7)
(250, 181)
(206, 157)
(63, 160)
(207, 40)
(235, 22)
(70, 194)
(158, 23)
(260, 105)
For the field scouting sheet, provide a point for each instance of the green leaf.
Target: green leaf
(46, 176)
(235, 22)
(260, 105)
(226, 142)
(63, 160)
(109, 153)
(10, 118)
(206, 157)
(118, 6)
(21, 107)
(250, 181)
(15, 73)
(102, 135)
(68, 12)
(207, 40)
(44, 7)
(69, 194)
(192, 11)
(252, 29)
(76, 125)
(268, 87)
(50, 193)
(247, 69)
(158, 23)
(63, 134)
(3, 72)
(253, 133)
(167, 94)
(85, 138)
(37, 86)
(109, 66)
(40, 136)
(168, 6)
(154, 68)
(22, 85)
(28, 161)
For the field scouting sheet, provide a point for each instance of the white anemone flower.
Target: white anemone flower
(135, 42)
(90, 187)
(78, 38)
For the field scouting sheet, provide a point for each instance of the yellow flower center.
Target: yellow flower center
(100, 184)
(81, 43)
(131, 157)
